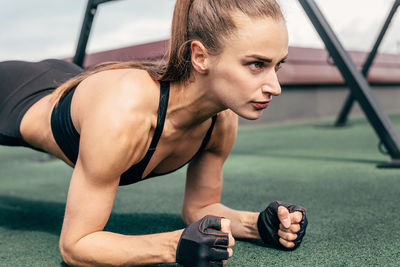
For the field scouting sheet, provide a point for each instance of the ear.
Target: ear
(199, 57)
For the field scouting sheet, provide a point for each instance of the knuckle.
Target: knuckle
(283, 235)
(290, 245)
(226, 223)
(281, 210)
(286, 243)
(280, 232)
(293, 237)
(296, 228)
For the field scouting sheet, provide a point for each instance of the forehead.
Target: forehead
(263, 36)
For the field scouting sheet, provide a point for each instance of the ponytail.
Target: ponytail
(179, 63)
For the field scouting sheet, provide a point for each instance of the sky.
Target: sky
(39, 29)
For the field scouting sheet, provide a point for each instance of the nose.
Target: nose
(271, 85)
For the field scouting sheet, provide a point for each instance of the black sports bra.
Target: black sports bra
(67, 137)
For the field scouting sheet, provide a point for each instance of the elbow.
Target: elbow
(66, 254)
(66, 250)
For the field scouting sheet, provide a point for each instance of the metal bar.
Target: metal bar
(355, 80)
(85, 32)
(345, 111)
(90, 12)
(99, 2)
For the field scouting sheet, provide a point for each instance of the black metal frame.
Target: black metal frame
(90, 12)
(356, 81)
(348, 104)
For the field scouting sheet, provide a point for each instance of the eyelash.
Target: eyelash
(279, 65)
(253, 67)
(262, 65)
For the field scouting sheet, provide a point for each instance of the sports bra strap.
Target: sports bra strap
(208, 135)
(135, 173)
(162, 112)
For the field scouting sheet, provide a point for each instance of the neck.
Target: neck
(191, 104)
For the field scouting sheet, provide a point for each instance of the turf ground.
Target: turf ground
(353, 207)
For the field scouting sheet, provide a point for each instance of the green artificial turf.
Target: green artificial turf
(352, 206)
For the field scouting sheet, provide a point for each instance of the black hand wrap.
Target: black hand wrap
(268, 224)
(202, 244)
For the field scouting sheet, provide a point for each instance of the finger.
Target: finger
(231, 240)
(294, 228)
(221, 242)
(226, 228)
(296, 217)
(287, 236)
(218, 254)
(230, 252)
(210, 222)
(283, 216)
(225, 225)
(286, 243)
(224, 262)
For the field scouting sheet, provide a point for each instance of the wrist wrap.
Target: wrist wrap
(202, 244)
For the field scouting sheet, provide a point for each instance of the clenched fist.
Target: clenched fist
(206, 243)
(282, 225)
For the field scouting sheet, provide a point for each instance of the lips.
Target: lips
(260, 105)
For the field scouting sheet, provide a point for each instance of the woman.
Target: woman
(125, 122)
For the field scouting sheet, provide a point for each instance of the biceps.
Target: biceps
(89, 205)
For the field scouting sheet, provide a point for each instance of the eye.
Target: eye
(256, 66)
(279, 65)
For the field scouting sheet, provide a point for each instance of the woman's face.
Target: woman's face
(243, 76)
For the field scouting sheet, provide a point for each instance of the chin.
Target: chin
(251, 115)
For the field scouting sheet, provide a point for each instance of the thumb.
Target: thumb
(226, 228)
(225, 225)
(283, 215)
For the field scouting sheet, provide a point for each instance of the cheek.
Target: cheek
(236, 79)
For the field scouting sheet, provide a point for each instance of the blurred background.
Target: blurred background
(353, 206)
(34, 30)
(134, 29)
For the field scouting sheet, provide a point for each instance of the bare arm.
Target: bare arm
(107, 149)
(204, 186)
(204, 182)
(83, 241)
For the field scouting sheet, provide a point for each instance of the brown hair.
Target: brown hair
(208, 21)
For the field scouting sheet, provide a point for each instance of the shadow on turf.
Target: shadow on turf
(34, 215)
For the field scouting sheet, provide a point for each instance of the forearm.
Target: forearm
(243, 223)
(110, 249)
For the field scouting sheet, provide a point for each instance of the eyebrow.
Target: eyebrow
(264, 59)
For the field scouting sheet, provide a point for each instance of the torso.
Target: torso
(175, 146)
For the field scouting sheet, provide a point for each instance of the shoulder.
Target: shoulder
(224, 133)
(116, 96)
(126, 86)
(117, 113)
